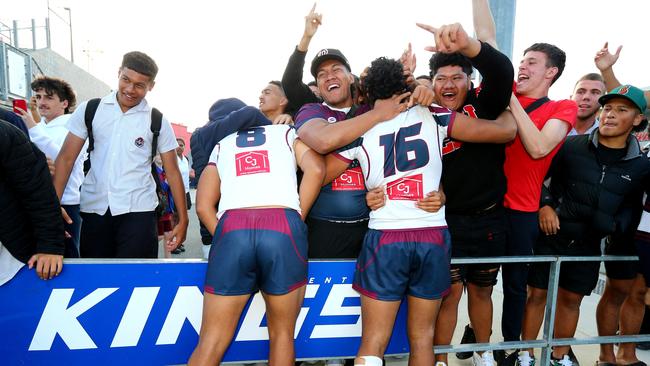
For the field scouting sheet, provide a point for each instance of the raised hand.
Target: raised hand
(312, 21)
(407, 59)
(452, 38)
(604, 59)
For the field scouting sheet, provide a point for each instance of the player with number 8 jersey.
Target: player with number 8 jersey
(259, 237)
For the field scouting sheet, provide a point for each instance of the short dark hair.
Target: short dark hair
(440, 59)
(427, 77)
(555, 57)
(593, 77)
(385, 78)
(140, 63)
(312, 83)
(278, 84)
(56, 86)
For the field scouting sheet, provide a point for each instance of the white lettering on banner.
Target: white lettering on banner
(328, 279)
(135, 317)
(251, 330)
(60, 319)
(187, 304)
(334, 306)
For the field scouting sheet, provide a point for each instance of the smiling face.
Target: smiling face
(50, 106)
(618, 118)
(450, 86)
(132, 88)
(334, 80)
(534, 76)
(586, 94)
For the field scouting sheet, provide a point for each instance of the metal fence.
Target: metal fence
(547, 341)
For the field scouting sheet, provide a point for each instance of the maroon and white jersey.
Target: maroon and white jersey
(404, 155)
(257, 167)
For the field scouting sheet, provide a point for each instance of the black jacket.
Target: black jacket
(591, 198)
(30, 216)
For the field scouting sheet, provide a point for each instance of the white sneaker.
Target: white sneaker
(337, 362)
(524, 359)
(440, 363)
(484, 359)
(565, 361)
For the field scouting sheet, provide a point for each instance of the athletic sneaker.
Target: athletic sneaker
(565, 361)
(440, 363)
(524, 359)
(573, 358)
(468, 337)
(485, 359)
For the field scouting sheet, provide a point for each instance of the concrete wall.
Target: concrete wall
(52, 64)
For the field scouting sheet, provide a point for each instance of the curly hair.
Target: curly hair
(56, 86)
(385, 78)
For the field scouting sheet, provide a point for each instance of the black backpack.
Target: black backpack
(156, 123)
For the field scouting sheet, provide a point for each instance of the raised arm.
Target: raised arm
(538, 143)
(313, 167)
(605, 61)
(294, 88)
(484, 25)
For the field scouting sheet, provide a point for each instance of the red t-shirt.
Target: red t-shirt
(524, 174)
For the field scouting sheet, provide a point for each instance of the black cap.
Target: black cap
(328, 54)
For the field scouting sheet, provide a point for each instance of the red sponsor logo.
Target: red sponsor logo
(350, 180)
(252, 162)
(406, 188)
(450, 146)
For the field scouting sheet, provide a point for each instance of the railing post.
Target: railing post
(549, 316)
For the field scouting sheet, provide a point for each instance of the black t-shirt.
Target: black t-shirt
(472, 175)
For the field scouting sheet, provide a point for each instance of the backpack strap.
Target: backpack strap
(89, 116)
(536, 104)
(156, 123)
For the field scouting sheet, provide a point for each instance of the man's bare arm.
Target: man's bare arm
(65, 161)
(468, 129)
(537, 143)
(324, 137)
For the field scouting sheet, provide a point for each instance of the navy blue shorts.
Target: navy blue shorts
(257, 249)
(394, 263)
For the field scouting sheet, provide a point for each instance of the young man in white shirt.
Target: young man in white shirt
(118, 195)
(54, 100)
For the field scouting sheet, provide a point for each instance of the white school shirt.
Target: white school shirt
(257, 167)
(120, 174)
(49, 138)
(184, 167)
(404, 155)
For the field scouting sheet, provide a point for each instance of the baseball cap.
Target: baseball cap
(328, 54)
(629, 92)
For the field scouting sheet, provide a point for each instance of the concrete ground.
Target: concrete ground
(587, 355)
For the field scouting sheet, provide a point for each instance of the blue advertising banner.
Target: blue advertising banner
(149, 313)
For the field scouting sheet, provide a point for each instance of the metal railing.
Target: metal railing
(547, 341)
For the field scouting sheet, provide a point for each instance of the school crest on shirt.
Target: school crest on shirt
(139, 142)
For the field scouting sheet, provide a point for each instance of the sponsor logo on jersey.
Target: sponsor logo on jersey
(405, 189)
(350, 180)
(252, 162)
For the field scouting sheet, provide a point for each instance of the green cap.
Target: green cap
(629, 92)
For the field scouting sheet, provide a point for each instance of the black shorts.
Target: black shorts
(335, 240)
(130, 235)
(621, 245)
(577, 277)
(477, 236)
(643, 248)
